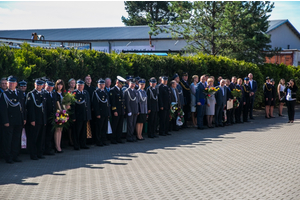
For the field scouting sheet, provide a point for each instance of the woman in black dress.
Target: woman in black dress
(290, 92)
(59, 88)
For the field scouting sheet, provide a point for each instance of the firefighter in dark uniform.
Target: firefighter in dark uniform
(37, 118)
(117, 110)
(152, 107)
(187, 97)
(100, 105)
(12, 119)
(80, 114)
(164, 102)
(246, 99)
(268, 96)
(51, 99)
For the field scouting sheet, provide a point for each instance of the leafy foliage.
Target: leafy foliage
(32, 62)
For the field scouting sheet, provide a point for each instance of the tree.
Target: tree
(145, 12)
(232, 29)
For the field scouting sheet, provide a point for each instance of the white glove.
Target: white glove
(129, 114)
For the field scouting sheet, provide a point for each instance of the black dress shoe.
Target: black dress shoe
(272, 117)
(41, 157)
(252, 118)
(34, 158)
(9, 161)
(130, 140)
(162, 134)
(17, 160)
(120, 141)
(76, 148)
(114, 142)
(99, 145)
(49, 153)
(84, 147)
(150, 136)
(140, 139)
(56, 151)
(168, 134)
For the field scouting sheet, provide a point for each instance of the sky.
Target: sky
(75, 14)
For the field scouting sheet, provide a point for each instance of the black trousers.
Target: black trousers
(291, 109)
(186, 110)
(49, 136)
(152, 123)
(35, 140)
(219, 114)
(164, 121)
(79, 134)
(101, 130)
(11, 141)
(117, 128)
(246, 109)
(1, 135)
(238, 112)
(251, 105)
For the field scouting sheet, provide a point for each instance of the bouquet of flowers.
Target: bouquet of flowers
(236, 103)
(176, 113)
(61, 119)
(68, 99)
(236, 93)
(209, 91)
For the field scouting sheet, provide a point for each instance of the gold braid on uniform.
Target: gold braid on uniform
(268, 88)
(245, 89)
(184, 86)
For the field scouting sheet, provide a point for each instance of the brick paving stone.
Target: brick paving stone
(256, 160)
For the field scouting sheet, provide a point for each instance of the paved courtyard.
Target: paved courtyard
(256, 160)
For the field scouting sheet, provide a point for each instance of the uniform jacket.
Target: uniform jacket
(267, 88)
(180, 93)
(173, 99)
(152, 99)
(131, 101)
(14, 115)
(164, 97)
(246, 92)
(50, 103)
(36, 107)
(117, 100)
(142, 101)
(186, 92)
(100, 103)
(81, 110)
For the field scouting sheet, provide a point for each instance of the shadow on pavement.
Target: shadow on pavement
(121, 154)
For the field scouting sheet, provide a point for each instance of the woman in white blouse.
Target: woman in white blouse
(281, 95)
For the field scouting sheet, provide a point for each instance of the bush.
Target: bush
(32, 62)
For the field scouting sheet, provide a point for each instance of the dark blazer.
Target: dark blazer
(229, 95)
(117, 101)
(267, 88)
(232, 86)
(164, 97)
(246, 92)
(100, 103)
(89, 89)
(152, 99)
(131, 106)
(51, 103)
(293, 90)
(254, 86)
(186, 92)
(173, 99)
(221, 99)
(81, 110)
(199, 92)
(34, 113)
(9, 113)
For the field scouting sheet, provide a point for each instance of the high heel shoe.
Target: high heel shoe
(56, 151)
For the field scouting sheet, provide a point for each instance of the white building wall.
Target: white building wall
(284, 36)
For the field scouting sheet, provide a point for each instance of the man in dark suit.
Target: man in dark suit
(12, 118)
(187, 97)
(132, 109)
(51, 99)
(229, 98)
(164, 103)
(80, 114)
(200, 101)
(231, 87)
(90, 89)
(246, 101)
(37, 117)
(117, 110)
(101, 109)
(152, 101)
(253, 86)
(3, 87)
(221, 102)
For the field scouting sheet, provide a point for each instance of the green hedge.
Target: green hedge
(31, 62)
